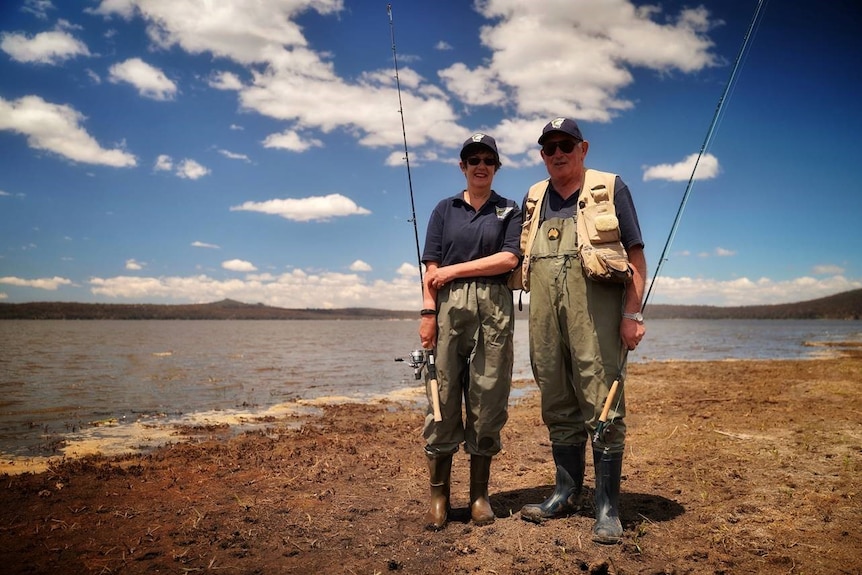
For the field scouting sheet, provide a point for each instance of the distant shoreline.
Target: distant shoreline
(843, 306)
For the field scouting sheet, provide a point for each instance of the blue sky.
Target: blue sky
(175, 152)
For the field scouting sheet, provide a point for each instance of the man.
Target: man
(580, 330)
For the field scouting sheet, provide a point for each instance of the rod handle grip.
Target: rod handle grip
(607, 408)
(435, 399)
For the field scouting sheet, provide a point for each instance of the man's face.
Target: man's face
(562, 164)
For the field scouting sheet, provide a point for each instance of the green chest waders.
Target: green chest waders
(575, 351)
(575, 346)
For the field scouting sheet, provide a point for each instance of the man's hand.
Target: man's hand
(631, 332)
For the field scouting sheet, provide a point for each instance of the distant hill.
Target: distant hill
(224, 309)
(846, 305)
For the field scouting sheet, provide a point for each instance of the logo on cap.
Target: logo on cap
(557, 123)
(478, 137)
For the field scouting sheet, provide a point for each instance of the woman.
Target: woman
(471, 245)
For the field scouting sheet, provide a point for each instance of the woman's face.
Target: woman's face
(479, 169)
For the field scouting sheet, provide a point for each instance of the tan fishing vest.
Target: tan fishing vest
(597, 190)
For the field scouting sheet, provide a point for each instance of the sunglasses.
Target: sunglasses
(565, 145)
(474, 161)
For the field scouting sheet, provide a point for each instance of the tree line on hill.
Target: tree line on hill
(844, 306)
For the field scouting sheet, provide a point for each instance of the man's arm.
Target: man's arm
(631, 331)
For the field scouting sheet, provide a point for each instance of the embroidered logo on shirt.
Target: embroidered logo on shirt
(503, 212)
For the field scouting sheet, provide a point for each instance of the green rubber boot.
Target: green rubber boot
(608, 528)
(440, 470)
(480, 506)
(565, 499)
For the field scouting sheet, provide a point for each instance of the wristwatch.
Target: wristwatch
(638, 317)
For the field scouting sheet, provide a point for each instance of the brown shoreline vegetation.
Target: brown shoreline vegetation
(731, 467)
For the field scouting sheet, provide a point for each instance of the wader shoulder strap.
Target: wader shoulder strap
(535, 197)
(520, 277)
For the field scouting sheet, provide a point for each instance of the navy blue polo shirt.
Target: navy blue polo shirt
(630, 230)
(457, 233)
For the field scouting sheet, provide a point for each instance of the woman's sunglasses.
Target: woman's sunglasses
(474, 161)
(565, 145)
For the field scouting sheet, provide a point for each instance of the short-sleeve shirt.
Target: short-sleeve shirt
(555, 206)
(457, 233)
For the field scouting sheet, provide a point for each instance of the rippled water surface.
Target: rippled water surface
(60, 377)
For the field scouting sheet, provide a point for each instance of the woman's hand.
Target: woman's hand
(428, 331)
(438, 277)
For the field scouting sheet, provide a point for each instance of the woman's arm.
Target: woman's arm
(493, 265)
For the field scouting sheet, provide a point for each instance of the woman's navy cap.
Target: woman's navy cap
(479, 139)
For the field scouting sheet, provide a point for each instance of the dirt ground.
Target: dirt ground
(731, 467)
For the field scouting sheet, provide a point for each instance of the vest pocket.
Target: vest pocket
(600, 223)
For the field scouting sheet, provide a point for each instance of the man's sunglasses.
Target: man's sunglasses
(474, 161)
(565, 145)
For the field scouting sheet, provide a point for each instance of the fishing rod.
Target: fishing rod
(603, 419)
(709, 134)
(406, 152)
(419, 358)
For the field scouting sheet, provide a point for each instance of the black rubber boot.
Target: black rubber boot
(440, 469)
(569, 460)
(480, 506)
(609, 466)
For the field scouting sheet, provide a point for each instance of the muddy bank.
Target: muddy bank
(731, 467)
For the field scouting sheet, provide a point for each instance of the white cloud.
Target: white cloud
(238, 266)
(442, 45)
(186, 169)
(50, 284)
(2, 193)
(319, 208)
(588, 54)
(294, 289)
(150, 81)
(246, 32)
(477, 87)
(360, 266)
(408, 270)
(225, 81)
(301, 289)
(234, 156)
(134, 265)
(164, 163)
(56, 128)
(39, 8)
(197, 244)
(52, 47)
(297, 84)
(190, 169)
(828, 269)
(745, 291)
(707, 168)
(290, 140)
(717, 252)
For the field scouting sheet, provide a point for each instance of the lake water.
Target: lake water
(67, 387)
